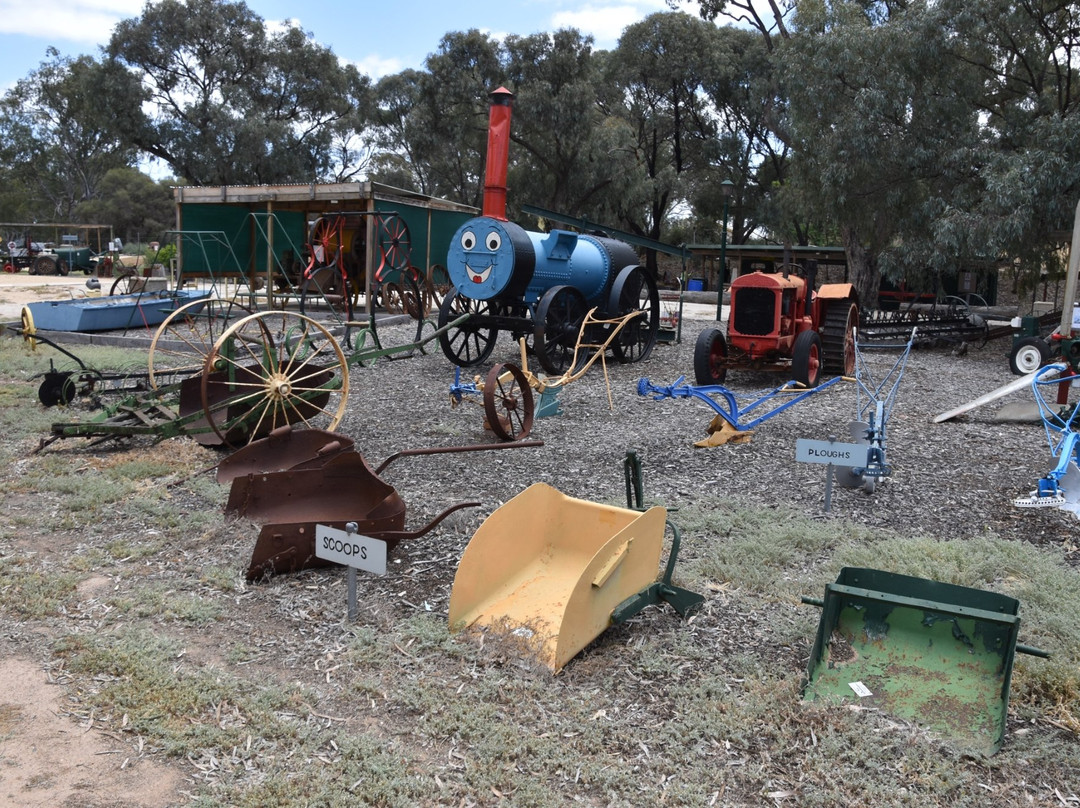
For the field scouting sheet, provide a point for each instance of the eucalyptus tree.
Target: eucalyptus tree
(1026, 57)
(657, 71)
(449, 126)
(222, 100)
(569, 156)
(58, 140)
(883, 129)
(139, 208)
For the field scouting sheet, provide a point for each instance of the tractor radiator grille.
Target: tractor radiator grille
(754, 310)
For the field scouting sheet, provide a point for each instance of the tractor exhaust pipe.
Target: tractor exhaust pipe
(498, 154)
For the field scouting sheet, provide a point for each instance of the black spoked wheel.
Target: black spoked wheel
(469, 344)
(127, 284)
(508, 402)
(635, 290)
(838, 338)
(806, 358)
(559, 316)
(710, 357)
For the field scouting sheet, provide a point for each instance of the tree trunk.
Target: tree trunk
(863, 269)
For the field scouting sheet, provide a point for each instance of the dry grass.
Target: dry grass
(117, 568)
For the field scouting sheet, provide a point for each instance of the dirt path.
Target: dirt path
(16, 290)
(50, 759)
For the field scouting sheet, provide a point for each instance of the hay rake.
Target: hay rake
(264, 371)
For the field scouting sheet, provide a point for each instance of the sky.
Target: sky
(380, 37)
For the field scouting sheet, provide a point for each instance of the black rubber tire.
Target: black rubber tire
(44, 265)
(710, 356)
(806, 359)
(1028, 355)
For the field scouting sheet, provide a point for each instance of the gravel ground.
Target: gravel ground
(951, 480)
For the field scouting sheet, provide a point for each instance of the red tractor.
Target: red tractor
(777, 322)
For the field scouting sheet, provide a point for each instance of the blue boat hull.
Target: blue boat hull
(112, 312)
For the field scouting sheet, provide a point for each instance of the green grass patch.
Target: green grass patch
(32, 592)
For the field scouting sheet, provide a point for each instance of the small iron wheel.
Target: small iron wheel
(508, 402)
(271, 369)
(126, 284)
(635, 290)
(559, 316)
(438, 284)
(469, 344)
(28, 327)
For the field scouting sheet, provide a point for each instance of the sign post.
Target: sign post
(830, 453)
(351, 549)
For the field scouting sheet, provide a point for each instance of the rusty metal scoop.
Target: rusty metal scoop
(284, 448)
(329, 484)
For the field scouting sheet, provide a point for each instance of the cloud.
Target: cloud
(606, 22)
(86, 21)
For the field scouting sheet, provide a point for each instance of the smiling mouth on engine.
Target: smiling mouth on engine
(478, 277)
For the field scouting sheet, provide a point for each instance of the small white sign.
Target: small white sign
(861, 690)
(824, 451)
(350, 549)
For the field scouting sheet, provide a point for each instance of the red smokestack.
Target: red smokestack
(498, 154)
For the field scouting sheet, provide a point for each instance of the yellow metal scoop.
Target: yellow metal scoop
(559, 570)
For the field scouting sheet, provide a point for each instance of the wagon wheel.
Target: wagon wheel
(392, 298)
(184, 339)
(62, 267)
(28, 327)
(271, 369)
(508, 402)
(392, 239)
(559, 316)
(44, 265)
(838, 337)
(437, 284)
(412, 299)
(635, 290)
(469, 344)
(126, 284)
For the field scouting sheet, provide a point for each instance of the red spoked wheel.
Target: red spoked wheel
(508, 402)
(392, 239)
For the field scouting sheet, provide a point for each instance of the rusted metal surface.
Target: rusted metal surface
(284, 448)
(294, 480)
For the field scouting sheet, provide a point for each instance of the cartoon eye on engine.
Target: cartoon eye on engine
(468, 240)
(494, 241)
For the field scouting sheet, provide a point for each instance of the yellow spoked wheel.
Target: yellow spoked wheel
(28, 329)
(271, 369)
(185, 338)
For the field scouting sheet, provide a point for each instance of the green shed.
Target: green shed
(264, 236)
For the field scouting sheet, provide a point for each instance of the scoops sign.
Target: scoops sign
(350, 549)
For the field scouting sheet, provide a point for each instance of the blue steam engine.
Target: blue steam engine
(539, 285)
